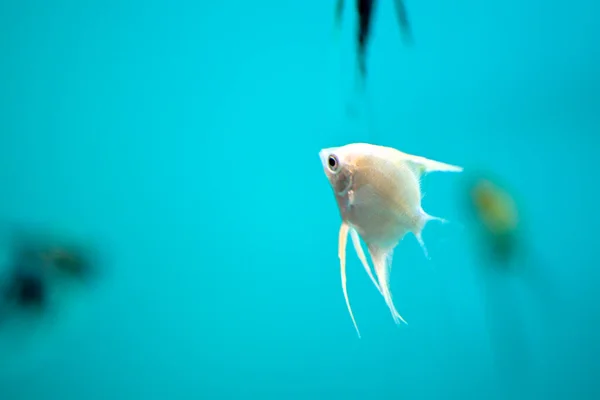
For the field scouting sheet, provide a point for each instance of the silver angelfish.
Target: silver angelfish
(378, 193)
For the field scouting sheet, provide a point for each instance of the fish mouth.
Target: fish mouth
(323, 155)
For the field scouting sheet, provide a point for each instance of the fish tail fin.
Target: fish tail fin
(342, 241)
(382, 262)
(418, 231)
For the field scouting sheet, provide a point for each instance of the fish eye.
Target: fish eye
(333, 163)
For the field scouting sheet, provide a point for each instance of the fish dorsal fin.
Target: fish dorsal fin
(422, 165)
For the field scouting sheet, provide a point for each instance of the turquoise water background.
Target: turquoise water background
(183, 137)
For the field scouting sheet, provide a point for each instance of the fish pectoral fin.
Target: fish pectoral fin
(361, 256)
(382, 261)
(418, 229)
(342, 241)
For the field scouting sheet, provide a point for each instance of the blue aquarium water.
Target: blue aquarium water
(182, 140)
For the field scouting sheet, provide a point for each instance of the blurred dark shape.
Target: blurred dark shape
(403, 22)
(73, 262)
(57, 256)
(27, 288)
(339, 12)
(39, 265)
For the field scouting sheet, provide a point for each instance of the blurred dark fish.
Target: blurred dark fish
(45, 283)
(497, 215)
(403, 22)
(62, 257)
(507, 264)
(495, 223)
(339, 12)
(40, 266)
(365, 10)
(501, 232)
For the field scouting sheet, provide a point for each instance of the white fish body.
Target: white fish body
(379, 197)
